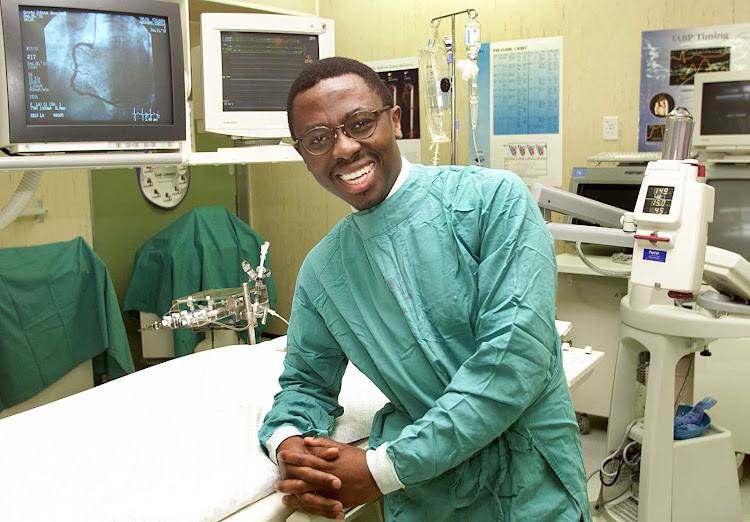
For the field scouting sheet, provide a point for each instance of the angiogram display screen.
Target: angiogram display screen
(258, 68)
(89, 67)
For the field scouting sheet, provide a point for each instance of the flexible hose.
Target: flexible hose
(597, 269)
(273, 313)
(20, 198)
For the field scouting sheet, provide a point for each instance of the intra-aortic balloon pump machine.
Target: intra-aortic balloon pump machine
(665, 317)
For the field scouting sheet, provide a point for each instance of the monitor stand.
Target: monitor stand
(239, 141)
(248, 151)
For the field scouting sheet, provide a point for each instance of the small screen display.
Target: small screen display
(658, 200)
(258, 69)
(90, 67)
(725, 108)
(620, 195)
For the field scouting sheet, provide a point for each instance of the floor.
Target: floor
(594, 449)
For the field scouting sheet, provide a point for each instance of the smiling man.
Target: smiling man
(364, 163)
(440, 287)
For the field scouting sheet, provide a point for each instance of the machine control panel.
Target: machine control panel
(672, 214)
(658, 199)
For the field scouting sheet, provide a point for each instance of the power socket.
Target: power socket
(611, 131)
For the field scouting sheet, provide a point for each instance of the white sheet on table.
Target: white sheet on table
(266, 509)
(175, 442)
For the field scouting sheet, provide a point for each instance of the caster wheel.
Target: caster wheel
(584, 424)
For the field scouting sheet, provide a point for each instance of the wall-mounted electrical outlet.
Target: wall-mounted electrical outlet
(610, 128)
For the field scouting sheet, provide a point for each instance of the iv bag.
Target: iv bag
(435, 89)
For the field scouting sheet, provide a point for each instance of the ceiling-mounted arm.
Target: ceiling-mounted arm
(577, 206)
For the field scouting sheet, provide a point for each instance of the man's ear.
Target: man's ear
(297, 148)
(396, 120)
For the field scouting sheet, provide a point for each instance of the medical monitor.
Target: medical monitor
(721, 111)
(91, 75)
(249, 62)
(616, 186)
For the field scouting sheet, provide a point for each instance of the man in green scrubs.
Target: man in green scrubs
(439, 287)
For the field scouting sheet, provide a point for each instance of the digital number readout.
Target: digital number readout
(658, 200)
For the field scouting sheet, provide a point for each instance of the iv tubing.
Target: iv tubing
(476, 149)
(273, 313)
(435, 23)
(474, 102)
(435, 156)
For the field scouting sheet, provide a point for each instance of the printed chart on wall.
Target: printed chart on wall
(519, 127)
(669, 61)
(402, 79)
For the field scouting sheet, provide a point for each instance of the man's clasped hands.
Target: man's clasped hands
(323, 476)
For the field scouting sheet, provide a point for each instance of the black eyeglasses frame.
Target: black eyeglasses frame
(342, 127)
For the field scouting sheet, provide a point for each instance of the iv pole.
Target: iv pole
(435, 22)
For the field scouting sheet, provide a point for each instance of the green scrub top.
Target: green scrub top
(58, 308)
(202, 250)
(443, 295)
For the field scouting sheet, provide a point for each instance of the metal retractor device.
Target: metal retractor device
(238, 309)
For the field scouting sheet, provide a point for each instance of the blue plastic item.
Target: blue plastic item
(695, 415)
(691, 431)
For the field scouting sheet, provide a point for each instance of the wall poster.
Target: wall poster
(402, 79)
(669, 61)
(519, 127)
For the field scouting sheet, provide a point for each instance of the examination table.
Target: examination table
(173, 442)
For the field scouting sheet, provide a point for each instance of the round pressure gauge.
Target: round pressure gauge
(164, 186)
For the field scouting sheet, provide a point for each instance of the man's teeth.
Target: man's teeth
(352, 177)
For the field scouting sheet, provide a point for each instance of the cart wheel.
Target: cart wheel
(584, 424)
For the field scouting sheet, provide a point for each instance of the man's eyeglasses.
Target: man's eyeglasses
(358, 126)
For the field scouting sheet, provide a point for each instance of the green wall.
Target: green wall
(123, 220)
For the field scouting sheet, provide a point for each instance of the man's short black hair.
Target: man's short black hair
(333, 68)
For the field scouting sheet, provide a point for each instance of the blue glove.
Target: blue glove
(692, 419)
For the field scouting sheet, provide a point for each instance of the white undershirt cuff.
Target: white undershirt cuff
(382, 469)
(279, 436)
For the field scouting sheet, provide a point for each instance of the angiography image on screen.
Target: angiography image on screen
(83, 66)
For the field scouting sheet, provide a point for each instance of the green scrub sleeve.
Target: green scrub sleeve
(312, 376)
(515, 335)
